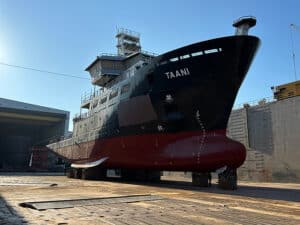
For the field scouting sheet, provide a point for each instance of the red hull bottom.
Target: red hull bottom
(185, 151)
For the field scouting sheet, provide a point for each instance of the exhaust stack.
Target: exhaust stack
(243, 24)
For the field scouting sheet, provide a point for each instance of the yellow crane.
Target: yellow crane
(291, 89)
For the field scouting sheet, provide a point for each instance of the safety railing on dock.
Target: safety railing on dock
(257, 102)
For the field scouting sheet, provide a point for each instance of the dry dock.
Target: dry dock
(52, 201)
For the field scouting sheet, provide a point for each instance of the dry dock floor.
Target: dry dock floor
(179, 203)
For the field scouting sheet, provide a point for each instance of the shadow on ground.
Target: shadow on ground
(243, 190)
(272, 193)
(8, 215)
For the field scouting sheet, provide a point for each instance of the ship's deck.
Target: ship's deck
(175, 202)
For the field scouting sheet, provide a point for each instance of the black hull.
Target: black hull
(202, 95)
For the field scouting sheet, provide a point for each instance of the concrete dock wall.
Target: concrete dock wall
(271, 134)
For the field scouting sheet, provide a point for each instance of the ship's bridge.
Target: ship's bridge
(105, 68)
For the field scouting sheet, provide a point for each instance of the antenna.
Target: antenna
(293, 26)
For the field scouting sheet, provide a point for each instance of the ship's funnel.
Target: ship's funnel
(243, 24)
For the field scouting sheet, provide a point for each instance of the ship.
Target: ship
(151, 113)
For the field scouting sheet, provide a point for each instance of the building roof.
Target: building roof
(16, 105)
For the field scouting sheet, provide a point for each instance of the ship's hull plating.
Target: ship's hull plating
(176, 117)
(183, 151)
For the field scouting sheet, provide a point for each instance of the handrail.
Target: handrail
(149, 53)
(256, 102)
(109, 54)
(127, 31)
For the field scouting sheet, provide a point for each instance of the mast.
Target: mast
(128, 42)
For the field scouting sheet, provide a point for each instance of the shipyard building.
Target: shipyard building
(25, 129)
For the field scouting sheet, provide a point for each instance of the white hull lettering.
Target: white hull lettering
(178, 73)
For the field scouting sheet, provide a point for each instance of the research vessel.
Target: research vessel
(151, 113)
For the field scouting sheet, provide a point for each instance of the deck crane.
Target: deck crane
(294, 27)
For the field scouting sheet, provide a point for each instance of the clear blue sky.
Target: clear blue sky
(65, 36)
